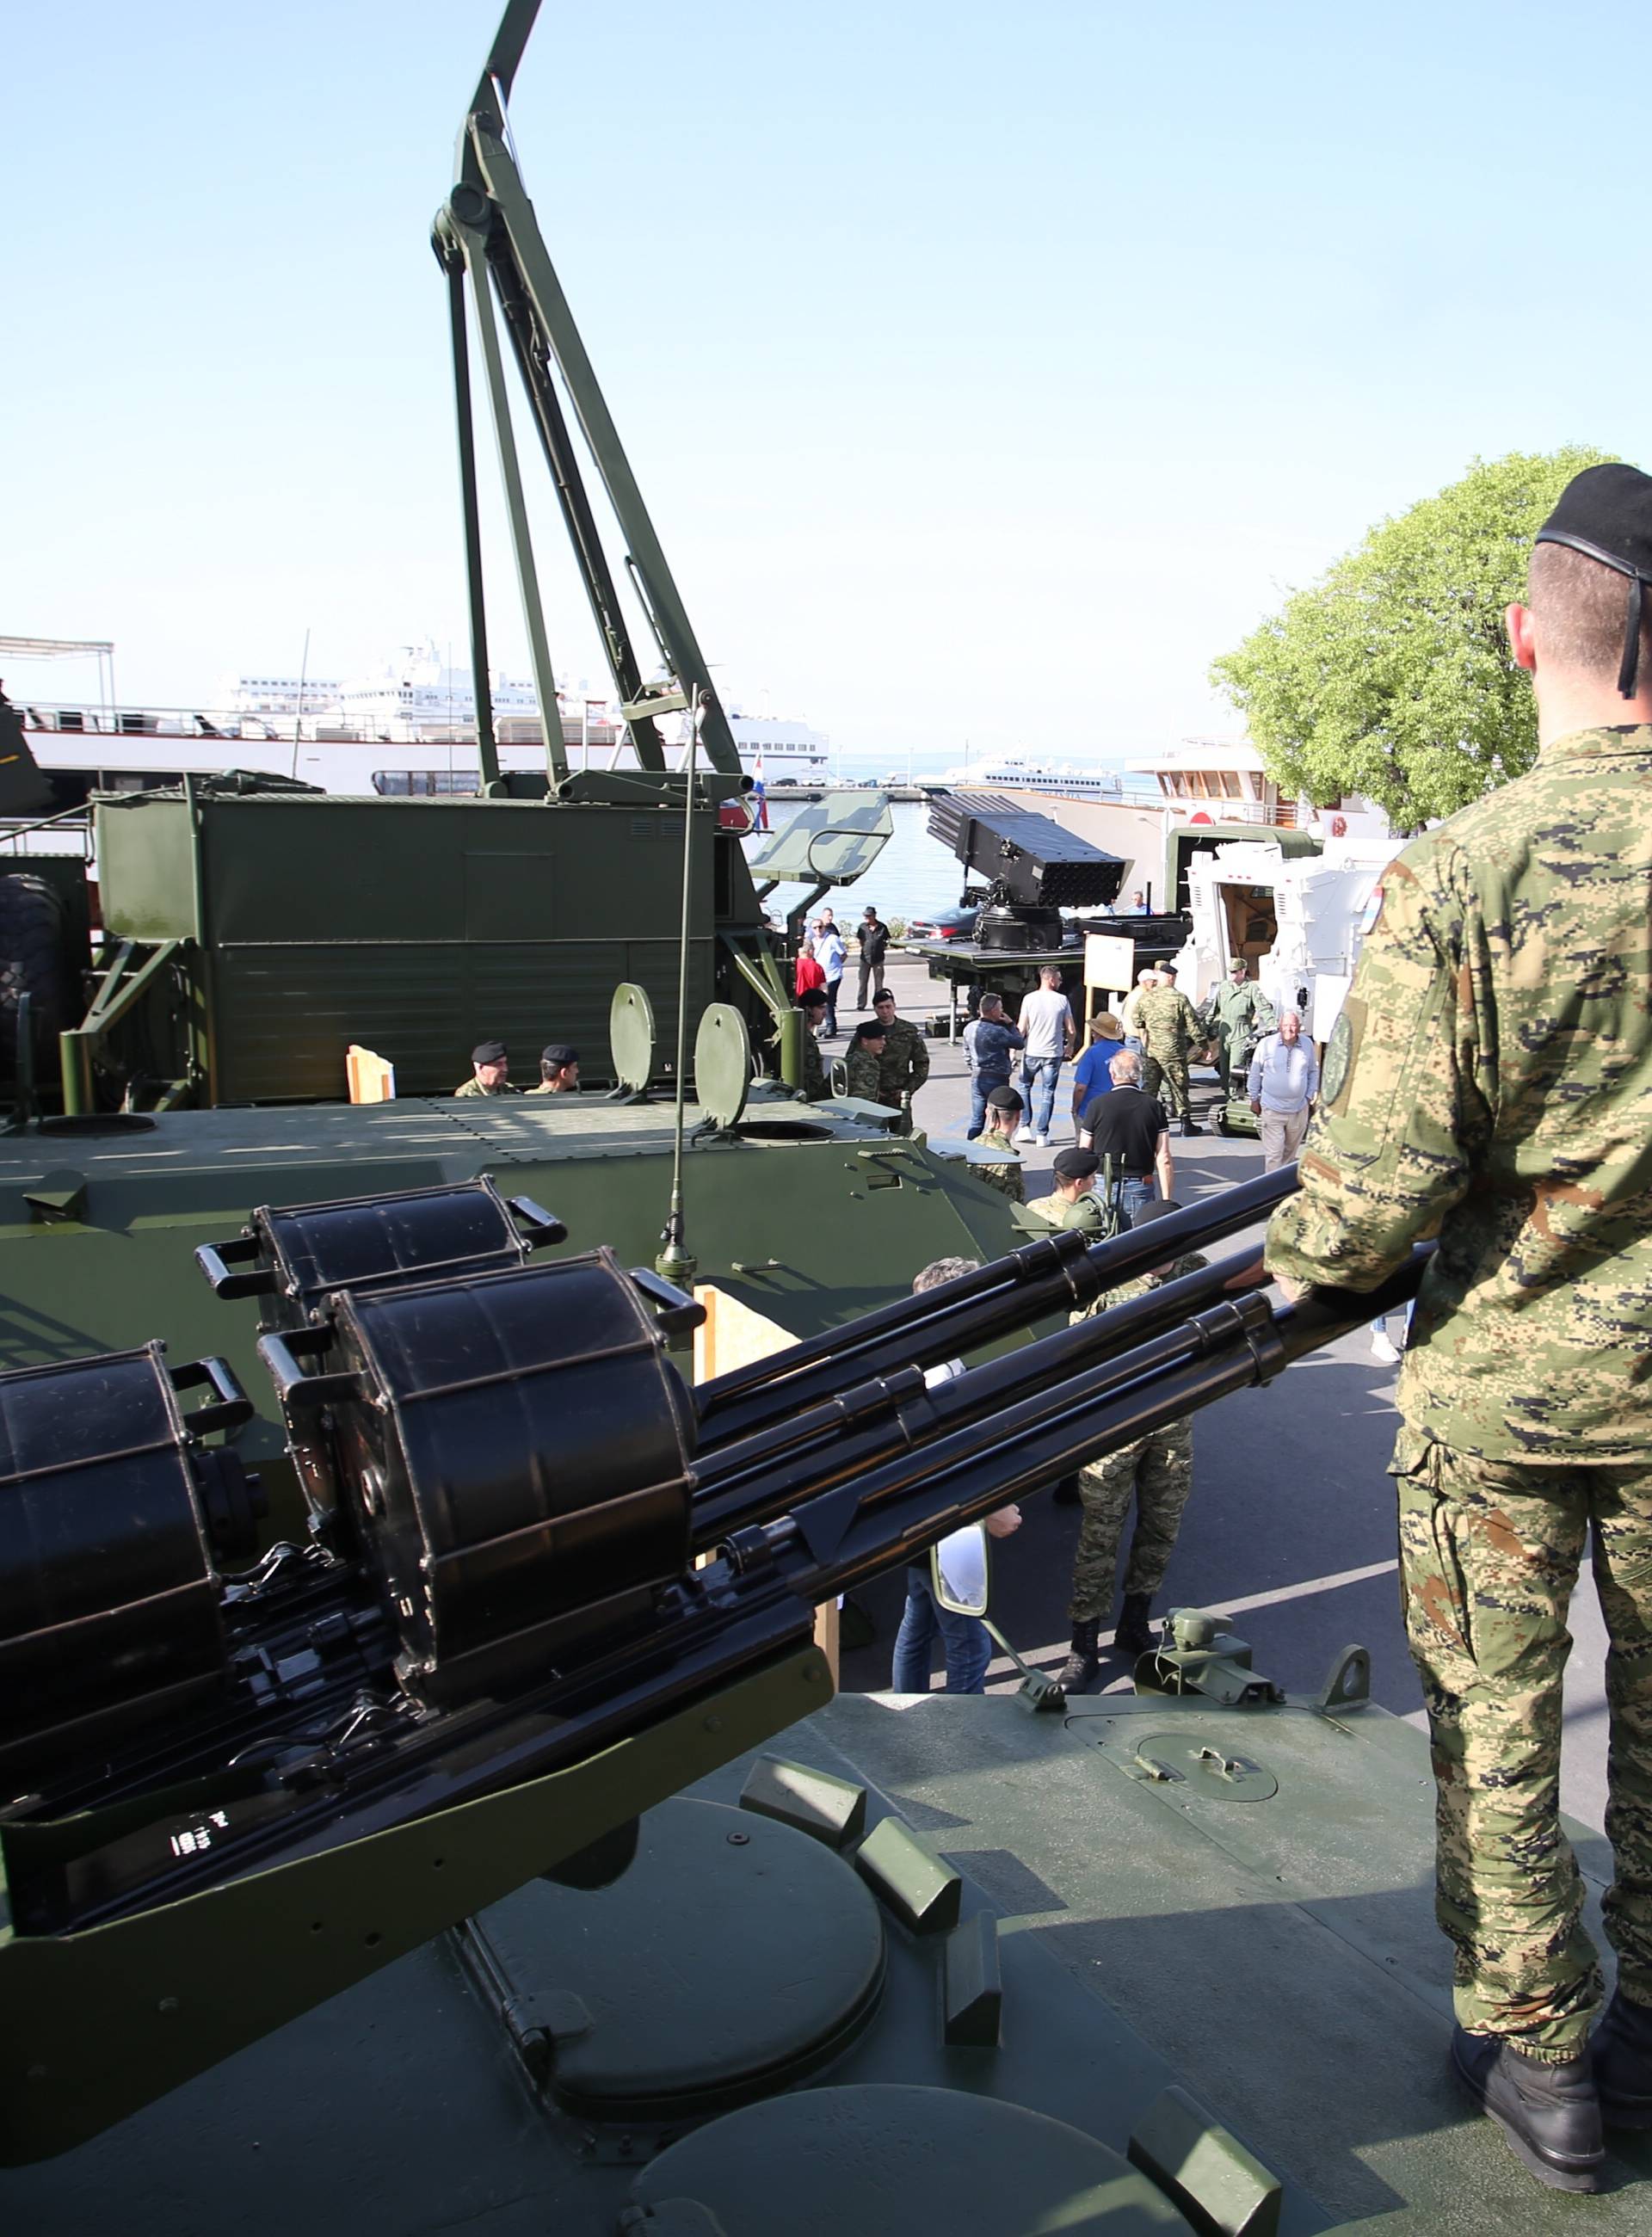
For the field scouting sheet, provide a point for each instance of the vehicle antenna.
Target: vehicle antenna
(674, 1261)
(297, 716)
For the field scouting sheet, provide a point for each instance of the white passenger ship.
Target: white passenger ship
(1073, 782)
(409, 729)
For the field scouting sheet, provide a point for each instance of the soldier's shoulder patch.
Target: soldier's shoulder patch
(1340, 1052)
(1373, 909)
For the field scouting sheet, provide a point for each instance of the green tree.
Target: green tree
(1391, 676)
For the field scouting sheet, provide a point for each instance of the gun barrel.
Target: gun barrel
(759, 1476)
(1055, 1274)
(836, 1541)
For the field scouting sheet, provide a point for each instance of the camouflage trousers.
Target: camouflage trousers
(1489, 1556)
(1169, 1071)
(1157, 1473)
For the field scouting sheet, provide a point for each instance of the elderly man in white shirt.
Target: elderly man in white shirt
(1285, 1079)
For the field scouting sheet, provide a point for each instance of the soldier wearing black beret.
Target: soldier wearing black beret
(489, 1071)
(1489, 1082)
(559, 1070)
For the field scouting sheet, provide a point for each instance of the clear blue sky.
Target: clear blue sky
(986, 371)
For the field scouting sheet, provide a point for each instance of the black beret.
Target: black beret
(1606, 513)
(558, 1052)
(814, 1000)
(1076, 1164)
(1005, 1099)
(1159, 1208)
(488, 1052)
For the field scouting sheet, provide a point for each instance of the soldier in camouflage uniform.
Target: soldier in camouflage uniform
(816, 1086)
(865, 1064)
(1157, 1473)
(1003, 1115)
(489, 1071)
(1489, 1081)
(906, 1054)
(1170, 1030)
(1234, 1016)
(1073, 1202)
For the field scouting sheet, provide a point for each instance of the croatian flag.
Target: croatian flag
(759, 796)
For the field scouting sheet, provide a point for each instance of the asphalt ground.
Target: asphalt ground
(1290, 1527)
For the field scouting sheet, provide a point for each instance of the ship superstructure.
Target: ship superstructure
(407, 728)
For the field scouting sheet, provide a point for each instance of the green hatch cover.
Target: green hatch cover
(733, 1954)
(631, 1036)
(837, 837)
(834, 2163)
(722, 1063)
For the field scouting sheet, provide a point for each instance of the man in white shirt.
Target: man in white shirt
(1285, 1079)
(1045, 1022)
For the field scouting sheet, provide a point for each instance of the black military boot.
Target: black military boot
(1623, 2053)
(1083, 1665)
(1135, 1633)
(1551, 2114)
(1189, 1124)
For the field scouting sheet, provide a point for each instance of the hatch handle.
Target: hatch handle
(537, 1225)
(679, 1313)
(298, 1389)
(231, 1408)
(233, 1268)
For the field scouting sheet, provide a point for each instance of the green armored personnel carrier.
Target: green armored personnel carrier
(496, 1856)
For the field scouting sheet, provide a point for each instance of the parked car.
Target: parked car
(943, 924)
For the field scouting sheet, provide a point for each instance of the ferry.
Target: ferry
(408, 729)
(1073, 782)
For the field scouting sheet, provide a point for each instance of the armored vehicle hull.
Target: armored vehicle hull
(807, 1212)
(1194, 1941)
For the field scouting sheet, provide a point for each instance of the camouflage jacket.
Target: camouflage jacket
(1005, 1178)
(817, 1086)
(1230, 1007)
(473, 1086)
(904, 1066)
(1086, 1213)
(1189, 1263)
(865, 1076)
(568, 1094)
(1168, 1022)
(1489, 1081)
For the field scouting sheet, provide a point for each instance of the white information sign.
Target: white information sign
(1109, 963)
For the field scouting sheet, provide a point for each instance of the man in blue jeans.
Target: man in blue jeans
(990, 1041)
(966, 1640)
(1046, 1021)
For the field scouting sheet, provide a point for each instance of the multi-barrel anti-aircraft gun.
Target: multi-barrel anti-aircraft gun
(546, 1583)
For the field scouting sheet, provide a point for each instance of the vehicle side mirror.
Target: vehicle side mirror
(959, 1569)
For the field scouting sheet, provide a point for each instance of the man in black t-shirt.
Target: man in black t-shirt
(1128, 1128)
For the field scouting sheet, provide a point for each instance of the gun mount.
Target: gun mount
(495, 1647)
(1032, 868)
